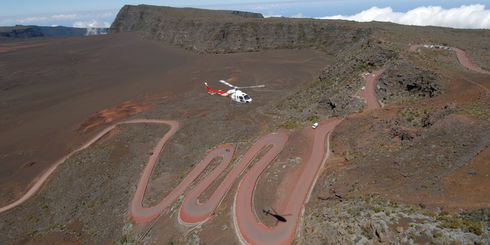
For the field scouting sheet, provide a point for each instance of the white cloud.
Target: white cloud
(269, 6)
(64, 16)
(91, 24)
(466, 16)
(272, 16)
(298, 15)
(31, 19)
(102, 18)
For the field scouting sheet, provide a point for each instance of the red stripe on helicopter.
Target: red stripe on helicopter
(215, 91)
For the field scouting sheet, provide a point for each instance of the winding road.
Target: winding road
(249, 228)
(195, 211)
(141, 214)
(464, 60)
(39, 181)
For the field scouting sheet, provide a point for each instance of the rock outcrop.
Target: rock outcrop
(213, 31)
(404, 79)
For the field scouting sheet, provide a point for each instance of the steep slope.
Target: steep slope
(211, 31)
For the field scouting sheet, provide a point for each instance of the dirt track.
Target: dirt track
(248, 228)
(68, 90)
(38, 182)
(466, 62)
(252, 231)
(116, 77)
(463, 59)
(460, 54)
(367, 93)
(192, 211)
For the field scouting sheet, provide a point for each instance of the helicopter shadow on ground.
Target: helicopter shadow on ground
(271, 212)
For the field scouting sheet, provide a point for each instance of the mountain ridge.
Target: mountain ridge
(33, 31)
(216, 31)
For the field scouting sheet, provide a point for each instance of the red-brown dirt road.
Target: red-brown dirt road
(367, 93)
(38, 182)
(140, 214)
(464, 60)
(192, 211)
(248, 227)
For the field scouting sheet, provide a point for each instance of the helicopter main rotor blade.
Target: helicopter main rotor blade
(226, 83)
(257, 86)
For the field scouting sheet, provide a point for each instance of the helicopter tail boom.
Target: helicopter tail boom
(215, 91)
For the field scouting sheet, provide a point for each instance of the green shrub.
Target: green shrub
(312, 118)
(448, 221)
(473, 227)
(291, 123)
(414, 116)
(478, 110)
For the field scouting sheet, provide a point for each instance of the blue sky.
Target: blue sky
(102, 12)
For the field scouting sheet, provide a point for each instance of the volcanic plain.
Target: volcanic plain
(401, 154)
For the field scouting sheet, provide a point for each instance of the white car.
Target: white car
(315, 125)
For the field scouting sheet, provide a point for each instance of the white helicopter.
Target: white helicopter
(234, 93)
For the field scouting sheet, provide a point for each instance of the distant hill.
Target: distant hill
(20, 31)
(222, 31)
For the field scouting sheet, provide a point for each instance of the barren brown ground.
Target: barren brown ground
(56, 95)
(467, 186)
(442, 167)
(11, 45)
(99, 80)
(72, 88)
(109, 115)
(275, 185)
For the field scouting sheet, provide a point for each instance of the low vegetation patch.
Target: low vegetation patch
(312, 118)
(373, 219)
(457, 222)
(414, 116)
(291, 123)
(478, 109)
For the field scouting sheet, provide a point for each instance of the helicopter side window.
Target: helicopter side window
(241, 98)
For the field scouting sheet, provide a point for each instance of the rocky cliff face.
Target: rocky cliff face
(210, 31)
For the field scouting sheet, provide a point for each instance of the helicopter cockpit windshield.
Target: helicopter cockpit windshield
(246, 97)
